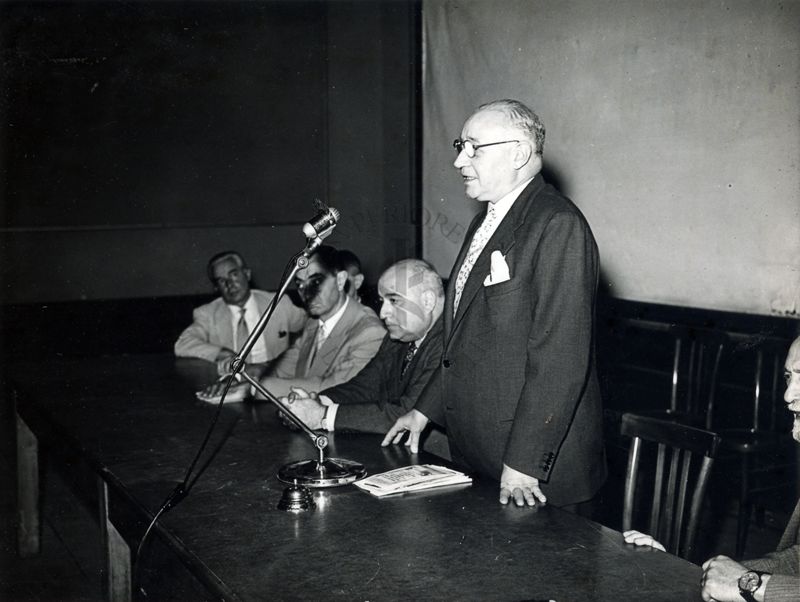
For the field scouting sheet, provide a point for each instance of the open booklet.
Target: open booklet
(412, 478)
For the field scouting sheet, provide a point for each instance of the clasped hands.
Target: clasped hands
(306, 406)
(523, 489)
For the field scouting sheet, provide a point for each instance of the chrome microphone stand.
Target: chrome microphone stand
(321, 471)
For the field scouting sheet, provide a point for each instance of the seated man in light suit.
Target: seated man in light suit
(221, 327)
(776, 577)
(412, 299)
(341, 337)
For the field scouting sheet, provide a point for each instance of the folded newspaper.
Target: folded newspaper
(412, 478)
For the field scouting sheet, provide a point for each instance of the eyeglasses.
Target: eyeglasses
(470, 148)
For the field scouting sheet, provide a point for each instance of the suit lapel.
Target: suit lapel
(502, 240)
(450, 294)
(225, 324)
(304, 356)
(335, 341)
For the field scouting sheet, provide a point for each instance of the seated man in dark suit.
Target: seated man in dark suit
(221, 327)
(776, 577)
(412, 301)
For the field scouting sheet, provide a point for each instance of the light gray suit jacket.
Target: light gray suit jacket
(784, 564)
(349, 347)
(212, 328)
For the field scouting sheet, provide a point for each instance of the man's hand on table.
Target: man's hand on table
(638, 538)
(238, 390)
(213, 393)
(521, 488)
(414, 422)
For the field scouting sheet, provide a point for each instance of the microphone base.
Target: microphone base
(331, 472)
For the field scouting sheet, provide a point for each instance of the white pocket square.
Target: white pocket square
(499, 270)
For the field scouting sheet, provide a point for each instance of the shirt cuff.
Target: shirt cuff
(329, 421)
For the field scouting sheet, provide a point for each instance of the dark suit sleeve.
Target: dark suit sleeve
(365, 386)
(430, 401)
(559, 347)
(380, 413)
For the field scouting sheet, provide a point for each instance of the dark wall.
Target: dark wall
(139, 138)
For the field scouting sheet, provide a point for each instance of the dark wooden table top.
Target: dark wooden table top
(136, 420)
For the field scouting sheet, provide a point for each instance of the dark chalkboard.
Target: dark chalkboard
(121, 114)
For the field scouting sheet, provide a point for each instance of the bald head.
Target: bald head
(412, 298)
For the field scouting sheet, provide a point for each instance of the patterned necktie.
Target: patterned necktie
(410, 351)
(479, 240)
(242, 331)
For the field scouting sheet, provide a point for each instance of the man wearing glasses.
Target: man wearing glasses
(516, 389)
(221, 327)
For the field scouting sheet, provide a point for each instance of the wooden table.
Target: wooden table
(135, 424)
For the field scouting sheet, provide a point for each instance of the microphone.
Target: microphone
(322, 224)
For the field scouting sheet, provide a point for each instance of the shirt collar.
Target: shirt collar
(329, 324)
(503, 205)
(250, 307)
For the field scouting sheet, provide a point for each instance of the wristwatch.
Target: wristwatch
(749, 583)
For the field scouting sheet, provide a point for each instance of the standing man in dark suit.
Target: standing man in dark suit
(517, 389)
(412, 299)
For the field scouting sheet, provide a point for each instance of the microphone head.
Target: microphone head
(309, 231)
(322, 224)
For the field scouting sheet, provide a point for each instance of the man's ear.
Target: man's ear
(341, 278)
(523, 154)
(358, 280)
(248, 273)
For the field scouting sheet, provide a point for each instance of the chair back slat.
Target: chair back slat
(680, 504)
(630, 483)
(658, 483)
(713, 381)
(757, 387)
(676, 364)
(668, 516)
(695, 371)
(676, 445)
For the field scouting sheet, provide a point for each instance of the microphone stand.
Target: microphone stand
(320, 472)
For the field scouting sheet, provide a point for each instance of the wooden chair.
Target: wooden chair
(695, 375)
(758, 455)
(684, 454)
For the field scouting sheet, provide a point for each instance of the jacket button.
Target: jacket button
(446, 363)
